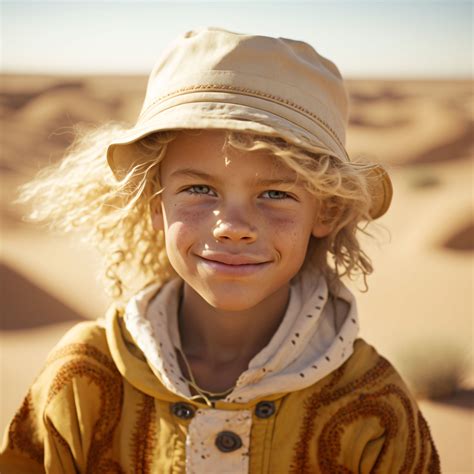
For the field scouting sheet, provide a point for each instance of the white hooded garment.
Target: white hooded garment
(314, 338)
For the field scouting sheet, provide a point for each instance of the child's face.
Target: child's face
(214, 206)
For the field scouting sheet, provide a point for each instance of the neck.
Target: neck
(221, 338)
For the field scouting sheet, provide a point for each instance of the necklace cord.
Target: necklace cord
(213, 395)
(202, 393)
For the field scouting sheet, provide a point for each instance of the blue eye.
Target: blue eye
(198, 189)
(276, 195)
(204, 190)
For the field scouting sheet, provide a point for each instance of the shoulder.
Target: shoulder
(372, 387)
(78, 391)
(366, 387)
(366, 413)
(369, 371)
(81, 357)
(78, 372)
(84, 340)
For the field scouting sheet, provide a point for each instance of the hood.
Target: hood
(315, 337)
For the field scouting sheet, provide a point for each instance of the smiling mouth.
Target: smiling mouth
(234, 269)
(234, 259)
(231, 264)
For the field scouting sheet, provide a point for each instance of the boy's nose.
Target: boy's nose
(237, 231)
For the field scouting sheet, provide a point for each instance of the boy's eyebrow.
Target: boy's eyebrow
(193, 173)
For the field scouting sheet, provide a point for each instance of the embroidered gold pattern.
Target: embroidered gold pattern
(144, 437)
(20, 431)
(434, 462)
(367, 405)
(329, 446)
(326, 396)
(245, 91)
(82, 350)
(111, 398)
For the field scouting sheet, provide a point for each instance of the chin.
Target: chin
(229, 304)
(224, 301)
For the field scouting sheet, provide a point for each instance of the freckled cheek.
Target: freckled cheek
(288, 233)
(280, 225)
(184, 227)
(280, 221)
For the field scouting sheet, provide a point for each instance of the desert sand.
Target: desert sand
(418, 310)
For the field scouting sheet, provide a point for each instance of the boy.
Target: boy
(240, 354)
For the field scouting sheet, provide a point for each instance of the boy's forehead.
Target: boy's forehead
(229, 172)
(209, 155)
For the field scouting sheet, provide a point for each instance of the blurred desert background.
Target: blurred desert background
(418, 310)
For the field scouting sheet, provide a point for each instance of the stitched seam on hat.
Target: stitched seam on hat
(210, 115)
(224, 87)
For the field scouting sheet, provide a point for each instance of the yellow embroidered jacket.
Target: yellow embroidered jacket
(98, 407)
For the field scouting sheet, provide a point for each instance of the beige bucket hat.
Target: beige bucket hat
(214, 78)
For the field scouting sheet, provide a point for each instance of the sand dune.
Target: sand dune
(39, 309)
(420, 294)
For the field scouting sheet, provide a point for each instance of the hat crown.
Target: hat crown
(288, 69)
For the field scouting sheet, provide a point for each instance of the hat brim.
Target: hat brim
(122, 154)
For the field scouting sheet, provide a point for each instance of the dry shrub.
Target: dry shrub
(435, 369)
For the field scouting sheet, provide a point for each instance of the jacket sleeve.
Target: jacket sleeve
(406, 447)
(32, 443)
(52, 432)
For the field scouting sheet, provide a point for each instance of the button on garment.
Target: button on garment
(182, 410)
(310, 343)
(227, 441)
(265, 409)
(218, 441)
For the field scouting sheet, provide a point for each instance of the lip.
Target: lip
(239, 265)
(233, 259)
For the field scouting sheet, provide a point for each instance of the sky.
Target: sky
(371, 38)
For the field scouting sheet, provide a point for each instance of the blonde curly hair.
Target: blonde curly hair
(80, 192)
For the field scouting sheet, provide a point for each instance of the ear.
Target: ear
(324, 222)
(157, 215)
(321, 229)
